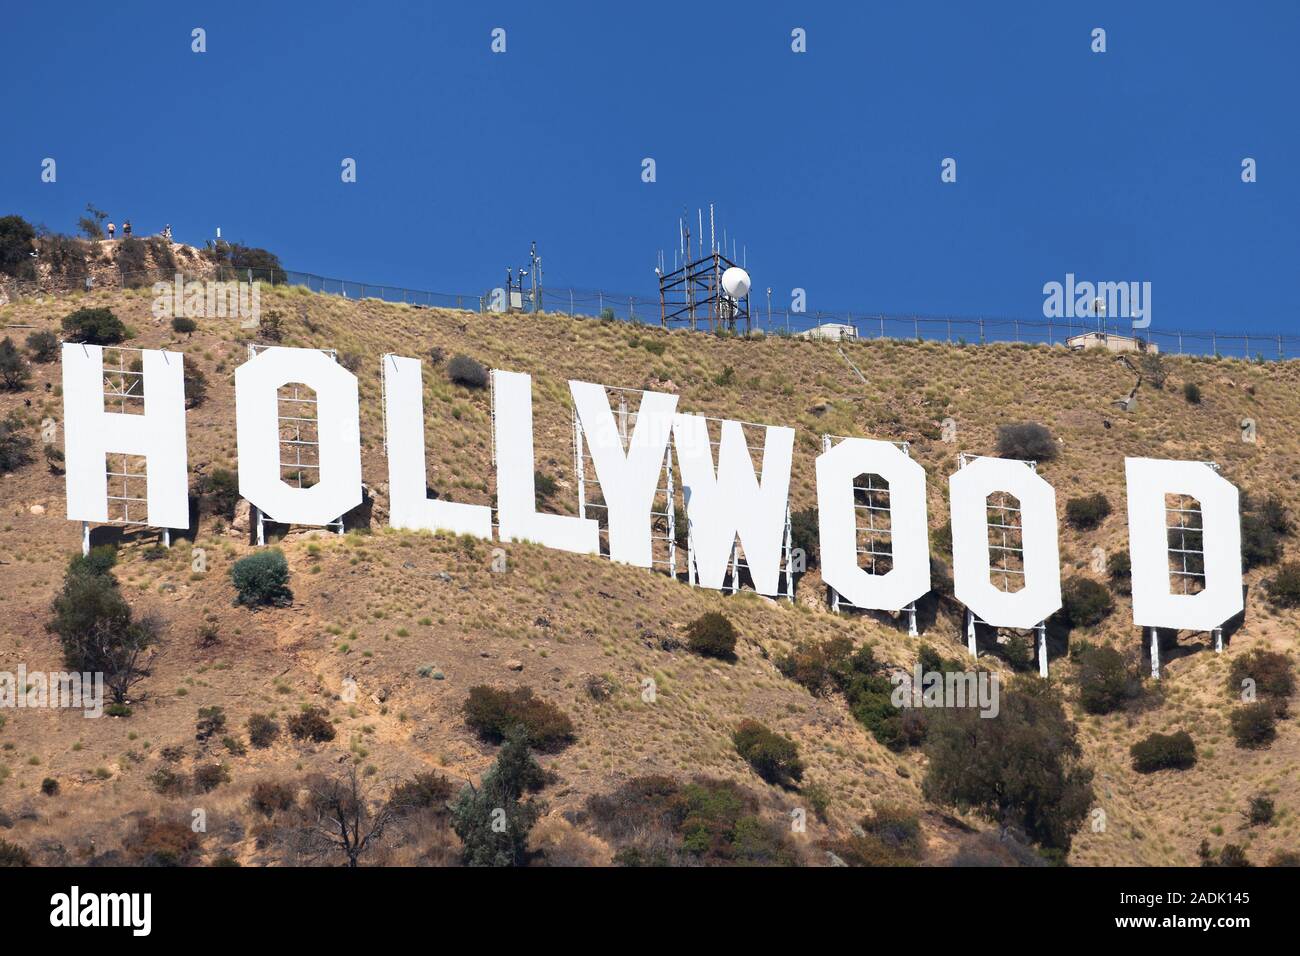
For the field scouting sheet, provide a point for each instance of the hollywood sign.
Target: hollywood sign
(726, 498)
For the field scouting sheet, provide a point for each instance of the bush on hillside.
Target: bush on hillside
(773, 756)
(1254, 726)
(17, 238)
(1088, 511)
(1106, 680)
(262, 579)
(11, 854)
(262, 730)
(219, 489)
(1176, 751)
(94, 327)
(1284, 587)
(816, 664)
(1270, 671)
(659, 821)
(14, 371)
(1028, 441)
(195, 385)
(1085, 602)
(463, 370)
(43, 345)
(805, 536)
(1192, 393)
(712, 635)
(491, 713)
(1119, 568)
(493, 820)
(15, 445)
(1025, 769)
(311, 723)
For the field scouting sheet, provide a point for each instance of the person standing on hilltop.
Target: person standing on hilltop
(111, 229)
(167, 232)
(126, 228)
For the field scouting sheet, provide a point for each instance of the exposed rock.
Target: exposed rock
(515, 664)
(37, 509)
(243, 516)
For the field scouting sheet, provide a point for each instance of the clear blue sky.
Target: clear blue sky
(1117, 166)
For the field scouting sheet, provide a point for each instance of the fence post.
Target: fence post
(1279, 348)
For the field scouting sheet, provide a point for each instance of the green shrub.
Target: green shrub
(15, 445)
(1192, 392)
(210, 776)
(1106, 680)
(211, 721)
(1263, 526)
(184, 326)
(312, 723)
(237, 261)
(657, 821)
(262, 730)
(544, 486)
(11, 854)
(17, 241)
(50, 787)
(1087, 512)
(162, 843)
(14, 372)
(1284, 587)
(424, 791)
(492, 713)
(1260, 811)
(774, 757)
(268, 796)
(43, 345)
(219, 488)
(167, 781)
(805, 536)
(195, 385)
(1176, 751)
(1024, 769)
(1028, 441)
(94, 327)
(262, 579)
(816, 664)
(1119, 567)
(463, 370)
(712, 635)
(1270, 671)
(1254, 726)
(889, 836)
(1085, 602)
(493, 820)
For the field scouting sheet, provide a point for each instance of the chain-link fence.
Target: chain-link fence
(957, 330)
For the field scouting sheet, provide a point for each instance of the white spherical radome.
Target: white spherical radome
(735, 282)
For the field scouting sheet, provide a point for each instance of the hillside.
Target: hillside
(385, 607)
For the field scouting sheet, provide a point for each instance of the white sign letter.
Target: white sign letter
(734, 501)
(909, 578)
(89, 433)
(1154, 604)
(517, 516)
(969, 489)
(257, 426)
(628, 480)
(409, 504)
